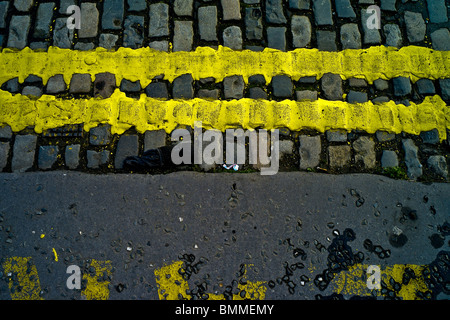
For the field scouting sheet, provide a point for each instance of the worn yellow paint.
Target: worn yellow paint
(145, 63)
(171, 285)
(123, 112)
(25, 272)
(97, 289)
(353, 281)
(170, 282)
(55, 254)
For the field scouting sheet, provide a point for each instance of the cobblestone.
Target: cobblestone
(108, 40)
(5, 132)
(23, 5)
(402, 86)
(350, 36)
(274, 12)
(365, 151)
(207, 23)
(444, 84)
(306, 95)
(43, 20)
(331, 85)
(183, 8)
(257, 93)
(154, 139)
(301, 31)
(388, 5)
(96, 159)
(253, 23)
(4, 154)
(322, 12)
(159, 20)
(276, 38)
(326, 40)
(62, 36)
(113, 12)
(128, 145)
(23, 153)
(309, 151)
(4, 6)
(413, 165)
(339, 156)
(438, 165)
(89, 22)
(393, 35)
(80, 83)
(430, 137)
(425, 86)
(371, 36)
(336, 136)
(441, 39)
(415, 26)
(104, 84)
(56, 84)
(233, 87)
(138, 5)
(130, 86)
(100, 136)
(389, 159)
(384, 136)
(282, 86)
(344, 9)
(357, 97)
(72, 156)
(299, 4)
(157, 90)
(18, 31)
(437, 11)
(232, 38)
(47, 157)
(183, 36)
(182, 87)
(231, 9)
(134, 32)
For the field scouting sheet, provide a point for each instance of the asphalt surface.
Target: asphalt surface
(142, 222)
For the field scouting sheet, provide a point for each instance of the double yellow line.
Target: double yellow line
(146, 113)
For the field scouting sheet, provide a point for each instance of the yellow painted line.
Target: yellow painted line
(145, 63)
(24, 280)
(352, 281)
(55, 254)
(171, 285)
(96, 287)
(122, 113)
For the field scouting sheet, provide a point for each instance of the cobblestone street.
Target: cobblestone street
(357, 92)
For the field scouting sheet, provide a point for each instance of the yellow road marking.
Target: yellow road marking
(122, 113)
(96, 287)
(171, 285)
(352, 281)
(144, 64)
(55, 254)
(24, 282)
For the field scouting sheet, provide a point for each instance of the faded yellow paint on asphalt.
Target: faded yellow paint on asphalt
(96, 285)
(352, 281)
(145, 63)
(170, 282)
(25, 285)
(172, 286)
(123, 112)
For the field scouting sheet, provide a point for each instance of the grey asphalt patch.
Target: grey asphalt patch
(142, 222)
